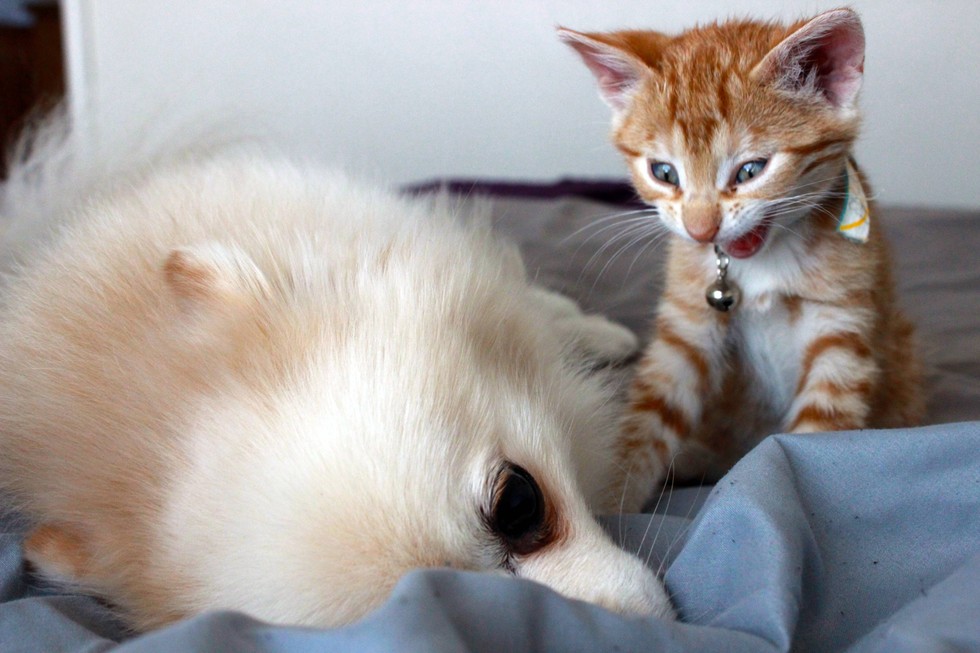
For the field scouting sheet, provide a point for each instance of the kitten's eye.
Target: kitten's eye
(518, 509)
(749, 170)
(665, 173)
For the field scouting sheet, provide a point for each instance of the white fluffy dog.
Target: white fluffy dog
(227, 381)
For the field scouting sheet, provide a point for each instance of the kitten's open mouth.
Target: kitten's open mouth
(748, 244)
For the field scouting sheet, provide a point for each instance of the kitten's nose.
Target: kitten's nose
(702, 233)
(701, 221)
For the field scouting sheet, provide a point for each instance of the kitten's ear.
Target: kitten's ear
(617, 70)
(213, 275)
(823, 58)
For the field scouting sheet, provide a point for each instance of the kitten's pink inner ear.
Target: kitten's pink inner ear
(825, 56)
(616, 71)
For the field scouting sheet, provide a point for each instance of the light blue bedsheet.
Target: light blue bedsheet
(861, 541)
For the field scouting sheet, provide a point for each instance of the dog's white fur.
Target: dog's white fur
(228, 381)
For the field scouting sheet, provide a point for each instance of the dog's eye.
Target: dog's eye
(518, 509)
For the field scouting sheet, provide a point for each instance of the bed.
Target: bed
(856, 541)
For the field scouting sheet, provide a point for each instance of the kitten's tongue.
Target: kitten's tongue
(747, 245)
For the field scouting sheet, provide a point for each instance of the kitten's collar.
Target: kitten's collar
(855, 219)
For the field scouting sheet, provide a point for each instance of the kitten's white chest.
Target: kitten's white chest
(765, 345)
(764, 333)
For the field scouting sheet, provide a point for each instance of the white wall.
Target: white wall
(406, 91)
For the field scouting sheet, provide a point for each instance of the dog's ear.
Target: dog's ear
(59, 553)
(213, 276)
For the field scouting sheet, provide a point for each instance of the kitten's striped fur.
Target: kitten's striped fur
(817, 342)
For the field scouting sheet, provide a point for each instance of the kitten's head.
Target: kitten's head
(733, 127)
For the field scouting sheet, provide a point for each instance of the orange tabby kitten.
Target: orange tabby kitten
(739, 134)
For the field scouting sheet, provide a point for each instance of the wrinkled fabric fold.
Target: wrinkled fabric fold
(863, 541)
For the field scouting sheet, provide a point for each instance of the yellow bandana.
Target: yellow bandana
(854, 217)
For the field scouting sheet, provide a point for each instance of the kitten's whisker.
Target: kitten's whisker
(802, 199)
(787, 229)
(607, 218)
(609, 222)
(819, 182)
(643, 233)
(589, 225)
(629, 229)
(607, 227)
(657, 240)
(626, 233)
(631, 222)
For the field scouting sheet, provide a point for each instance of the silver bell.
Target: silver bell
(721, 295)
